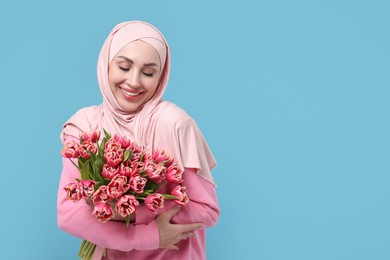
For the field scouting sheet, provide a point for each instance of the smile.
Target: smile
(130, 94)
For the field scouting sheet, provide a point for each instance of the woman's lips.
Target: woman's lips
(131, 94)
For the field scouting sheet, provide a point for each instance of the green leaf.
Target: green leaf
(150, 185)
(101, 147)
(169, 197)
(82, 160)
(80, 164)
(99, 164)
(93, 173)
(85, 171)
(126, 155)
(92, 164)
(101, 179)
(106, 135)
(93, 156)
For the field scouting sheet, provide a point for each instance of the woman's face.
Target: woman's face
(134, 74)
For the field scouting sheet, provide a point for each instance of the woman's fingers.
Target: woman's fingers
(188, 230)
(170, 234)
(187, 235)
(184, 228)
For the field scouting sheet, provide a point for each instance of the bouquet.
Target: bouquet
(118, 175)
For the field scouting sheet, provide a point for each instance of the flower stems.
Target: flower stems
(86, 250)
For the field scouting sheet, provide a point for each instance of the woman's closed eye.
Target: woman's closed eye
(124, 68)
(148, 74)
(127, 68)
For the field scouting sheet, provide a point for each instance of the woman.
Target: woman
(133, 72)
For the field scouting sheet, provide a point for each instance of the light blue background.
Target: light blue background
(292, 96)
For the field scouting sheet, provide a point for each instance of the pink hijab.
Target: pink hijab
(147, 126)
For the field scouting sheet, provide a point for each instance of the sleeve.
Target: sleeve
(192, 152)
(203, 203)
(190, 148)
(77, 219)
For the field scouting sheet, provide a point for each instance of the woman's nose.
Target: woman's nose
(133, 79)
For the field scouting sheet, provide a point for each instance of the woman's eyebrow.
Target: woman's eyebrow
(150, 64)
(132, 62)
(126, 59)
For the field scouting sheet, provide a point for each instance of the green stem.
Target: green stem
(74, 164)
(81, 249)
(87, 250)
(91, 250)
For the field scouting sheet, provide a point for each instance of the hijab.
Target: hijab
(145, 126)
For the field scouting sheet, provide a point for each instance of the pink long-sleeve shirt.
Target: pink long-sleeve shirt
(141, 239)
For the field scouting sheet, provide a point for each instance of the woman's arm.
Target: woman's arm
(203, 205)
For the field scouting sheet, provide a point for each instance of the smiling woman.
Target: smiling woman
(133, 72)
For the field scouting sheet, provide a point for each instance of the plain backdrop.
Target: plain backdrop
(292, 97)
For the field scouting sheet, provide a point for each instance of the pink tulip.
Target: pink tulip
(71, 150)
(181, 193)
(73, 192)
(87, 187)
(103, 212)
(154, 201)
(136, 151)
(123, 141)
(128, 168)
(126, 205)
(174, 174)
(92, 136)
(137, 183)
(113, 153)
(112, 145)
(86, 147)
(140, 166)
(109, 172)
(100, 195)
(155, 172)
(117, 186)
(160, 156)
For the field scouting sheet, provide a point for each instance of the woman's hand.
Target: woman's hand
(170, 234)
